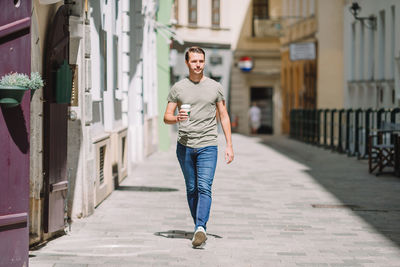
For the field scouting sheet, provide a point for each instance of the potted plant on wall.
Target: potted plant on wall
(14, 85)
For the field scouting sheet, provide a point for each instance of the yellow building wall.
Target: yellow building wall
(330, 83)
(315, 83)
(298, 88)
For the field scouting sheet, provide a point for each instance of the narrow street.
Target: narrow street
(280, 203)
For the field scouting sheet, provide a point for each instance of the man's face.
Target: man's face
(195, 63)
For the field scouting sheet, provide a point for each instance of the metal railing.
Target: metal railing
(343, 130)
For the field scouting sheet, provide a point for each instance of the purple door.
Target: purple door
(55, 125)
(15, 56)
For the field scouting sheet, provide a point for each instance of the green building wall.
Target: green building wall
(163, 73)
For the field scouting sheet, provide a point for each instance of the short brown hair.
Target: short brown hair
(194, 49)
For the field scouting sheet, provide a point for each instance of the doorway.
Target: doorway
(263, 97)
(55, 124)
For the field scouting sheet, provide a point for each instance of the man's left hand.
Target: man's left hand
(229, 154)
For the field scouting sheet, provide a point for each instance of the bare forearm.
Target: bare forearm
(170, 119)
(226, 127)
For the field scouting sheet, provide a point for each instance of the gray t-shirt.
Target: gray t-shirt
(201, 129)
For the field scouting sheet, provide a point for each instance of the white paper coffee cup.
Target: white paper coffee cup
(186, 107)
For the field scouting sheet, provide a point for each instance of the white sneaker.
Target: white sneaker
(199, 237)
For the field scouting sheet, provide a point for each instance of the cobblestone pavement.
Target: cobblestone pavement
(280, 203)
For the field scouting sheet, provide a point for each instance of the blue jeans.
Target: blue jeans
(198, 168)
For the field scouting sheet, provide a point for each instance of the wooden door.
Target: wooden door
(15, 56)
(55, 125)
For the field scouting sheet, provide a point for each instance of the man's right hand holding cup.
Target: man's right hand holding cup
(184, 112)
(182, 115)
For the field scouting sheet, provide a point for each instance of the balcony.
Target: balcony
(299, 30)
(267, 28)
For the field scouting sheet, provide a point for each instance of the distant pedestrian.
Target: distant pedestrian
(198, 98)
(254, 118)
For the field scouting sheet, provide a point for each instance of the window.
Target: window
(353, 52)
(215, 17)
(304, 9)
(116, 9)
(298, 8)
(382, 45)
(311, 7)
(361, 57)
(290, 8)
(103, 58)
(371, 54)
(260, 12)
(260, 9)
(215, 59)
(115, 62)
(393, 41)
(192, 12)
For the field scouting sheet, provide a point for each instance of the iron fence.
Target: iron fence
(344, 130)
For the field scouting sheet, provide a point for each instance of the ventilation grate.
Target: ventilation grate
(101, 169)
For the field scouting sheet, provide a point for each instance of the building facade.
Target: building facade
(83, 147)
(257, 40)
(372, 55)
(312, 56)
(107, 125)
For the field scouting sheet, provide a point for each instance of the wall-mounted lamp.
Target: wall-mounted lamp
(369, 22)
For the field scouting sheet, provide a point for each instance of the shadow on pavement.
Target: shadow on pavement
(145, 188)
(374, 199)
(181, 234)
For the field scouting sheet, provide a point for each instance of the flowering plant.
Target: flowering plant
(23, 80)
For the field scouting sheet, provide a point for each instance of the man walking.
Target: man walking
(198, 98)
